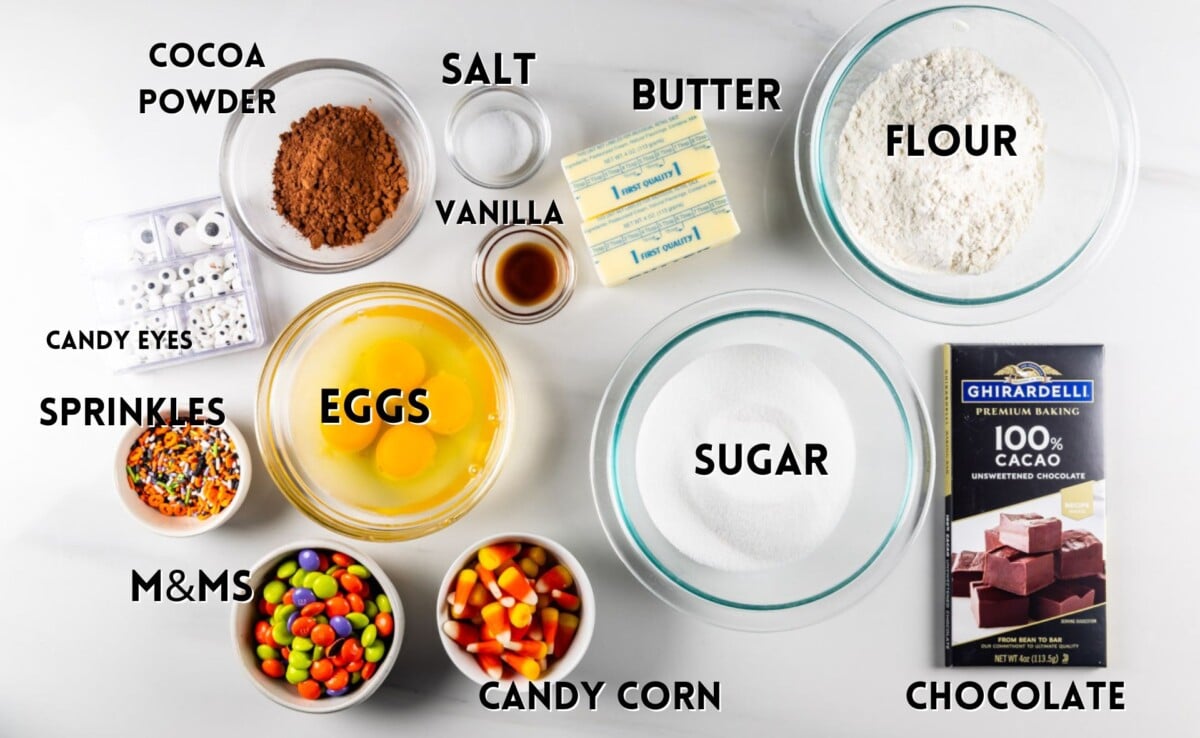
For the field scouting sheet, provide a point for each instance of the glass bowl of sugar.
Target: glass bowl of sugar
(966, 164)
(497, 136)
(761, 460)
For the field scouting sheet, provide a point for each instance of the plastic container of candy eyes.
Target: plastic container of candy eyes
(179, 280)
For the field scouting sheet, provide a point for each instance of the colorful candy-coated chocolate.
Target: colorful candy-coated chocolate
(320, 632)
(339, 680)
(309, 560)
(337, 606)
(385, 624)
(382, 603)
(324, 635)
(303, 596)
(341, 626)
(273, 592)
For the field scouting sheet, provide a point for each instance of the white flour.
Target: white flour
(748, 394)
(956, 213)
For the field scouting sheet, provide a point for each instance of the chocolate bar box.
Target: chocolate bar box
(1026, 546)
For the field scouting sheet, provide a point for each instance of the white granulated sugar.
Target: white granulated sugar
(956, 213)
(496, 144)
(748, 394)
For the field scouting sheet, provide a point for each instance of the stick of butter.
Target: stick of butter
(659, 230)
(640, 164)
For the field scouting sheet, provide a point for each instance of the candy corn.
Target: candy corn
(491, 557)
(495, 617)
(549, 627)
(488, 577)
(523, 665)
(535, 650)
(529, 566)
(538, 554)
(567, 625)
(520, 615)
(519, 634)
(462, 591)
(565, 600)
(517, 584)
(464, 634)
(495, 648)
(515, 609)
(555, 578)
(491, 665)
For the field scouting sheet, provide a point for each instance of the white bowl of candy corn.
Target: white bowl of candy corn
(516, 607)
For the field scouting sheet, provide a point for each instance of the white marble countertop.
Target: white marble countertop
(80, 659)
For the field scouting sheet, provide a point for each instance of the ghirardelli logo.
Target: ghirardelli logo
(1028, 382)
(1027, 371)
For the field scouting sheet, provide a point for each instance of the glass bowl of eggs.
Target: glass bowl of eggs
(384, 412)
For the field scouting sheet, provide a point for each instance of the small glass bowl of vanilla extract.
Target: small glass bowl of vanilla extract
(524, 273)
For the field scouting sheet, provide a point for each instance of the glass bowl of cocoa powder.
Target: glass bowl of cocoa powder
(337, 176)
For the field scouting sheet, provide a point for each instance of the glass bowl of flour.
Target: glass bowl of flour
(761, 459)
(966, 163)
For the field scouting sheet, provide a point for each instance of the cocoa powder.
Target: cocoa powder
(337, 175)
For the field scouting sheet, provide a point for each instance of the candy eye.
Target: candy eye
(153, 287)
(212, 228)
(185, 272)
(167, 276)
(144, 239)
(179, 224)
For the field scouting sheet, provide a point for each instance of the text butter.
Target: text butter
(660, 230)
(640, 164)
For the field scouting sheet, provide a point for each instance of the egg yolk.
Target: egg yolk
(404, 451)
(450, 404)
(348, 436)
(390, 364)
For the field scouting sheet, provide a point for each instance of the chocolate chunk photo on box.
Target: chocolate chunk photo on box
(1022, 570)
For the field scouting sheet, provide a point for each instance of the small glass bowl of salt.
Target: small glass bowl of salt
(497, 136)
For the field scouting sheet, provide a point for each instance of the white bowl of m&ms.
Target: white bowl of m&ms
(323, 628)
(516, 607)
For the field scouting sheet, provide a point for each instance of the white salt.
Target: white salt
(496, 144)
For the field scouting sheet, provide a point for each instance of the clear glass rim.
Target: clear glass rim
(524, 173)
(278, 461)
(892, 291)
(659, 340)
(423, 194)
